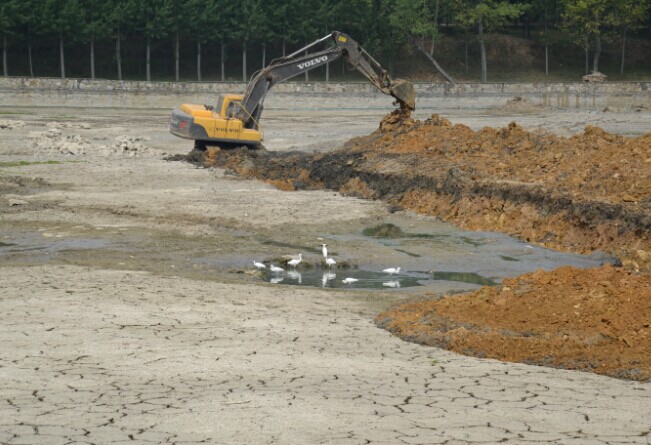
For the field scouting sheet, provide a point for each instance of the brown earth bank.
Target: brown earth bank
(588, 192)
(595, 320)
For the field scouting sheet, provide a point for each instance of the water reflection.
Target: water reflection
(276, 280)
(327, 276)
(392, 283)
(295, 275)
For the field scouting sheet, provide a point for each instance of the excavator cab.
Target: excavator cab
(214, 124)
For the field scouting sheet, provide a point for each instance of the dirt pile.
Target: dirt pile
(597, 320)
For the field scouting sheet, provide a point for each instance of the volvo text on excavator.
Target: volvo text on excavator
(234, 119)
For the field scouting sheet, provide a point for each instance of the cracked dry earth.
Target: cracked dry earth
(124, 357)
(123, 341)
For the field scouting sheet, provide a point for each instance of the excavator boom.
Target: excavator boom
(235, 119)
(301, 61)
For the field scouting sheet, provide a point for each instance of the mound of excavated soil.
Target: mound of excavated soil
(597, 320)
(582, 193)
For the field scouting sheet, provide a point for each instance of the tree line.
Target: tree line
(383, 27)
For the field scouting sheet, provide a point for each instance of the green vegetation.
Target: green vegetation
(24, 163)
(486, 40)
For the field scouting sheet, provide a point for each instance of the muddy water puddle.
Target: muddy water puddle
(431, 254)
(368, 279)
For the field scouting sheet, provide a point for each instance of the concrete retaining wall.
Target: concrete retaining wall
(623, 96)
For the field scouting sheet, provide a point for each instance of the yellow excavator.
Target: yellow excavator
(234, 119)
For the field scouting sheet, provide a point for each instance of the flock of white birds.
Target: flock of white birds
(278, 271)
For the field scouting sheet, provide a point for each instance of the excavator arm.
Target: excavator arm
(299, 62)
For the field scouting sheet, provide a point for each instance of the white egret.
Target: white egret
(330, 262)
(294, 262)
(324, 250)
(391, 270)
(349, 280)
(392, 283)
(259, 265)
(276, 269)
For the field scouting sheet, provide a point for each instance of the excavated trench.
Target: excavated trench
(584, 193)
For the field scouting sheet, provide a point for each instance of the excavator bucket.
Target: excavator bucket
(404, 92)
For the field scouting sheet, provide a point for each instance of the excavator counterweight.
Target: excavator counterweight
(234, 119)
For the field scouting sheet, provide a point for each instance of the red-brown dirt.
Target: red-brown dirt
(591, 320)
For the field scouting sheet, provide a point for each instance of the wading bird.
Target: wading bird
(349, 280)
(330, 262)
(391, 270)
(294, 262)
(276, 269)
(258, 265)
(324, 250)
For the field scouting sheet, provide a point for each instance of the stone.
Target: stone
(17, 202)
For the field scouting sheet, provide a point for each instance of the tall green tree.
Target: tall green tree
(200, 12)
(418, 19)
(248, 23)
(486, 15)
(62, 18)
(206, 17)
(591, 22)
(585, 20)
(121, 19)
(154, 19)
(180, 25)
(96, 26)
(625, 16)
(29, 16)
(9, 19)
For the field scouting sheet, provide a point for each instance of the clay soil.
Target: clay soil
(597, 320)
(588, 192)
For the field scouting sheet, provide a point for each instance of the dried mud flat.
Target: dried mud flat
(124, 316)
(587, 192)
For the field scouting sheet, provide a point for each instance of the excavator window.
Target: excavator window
(230, 109)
